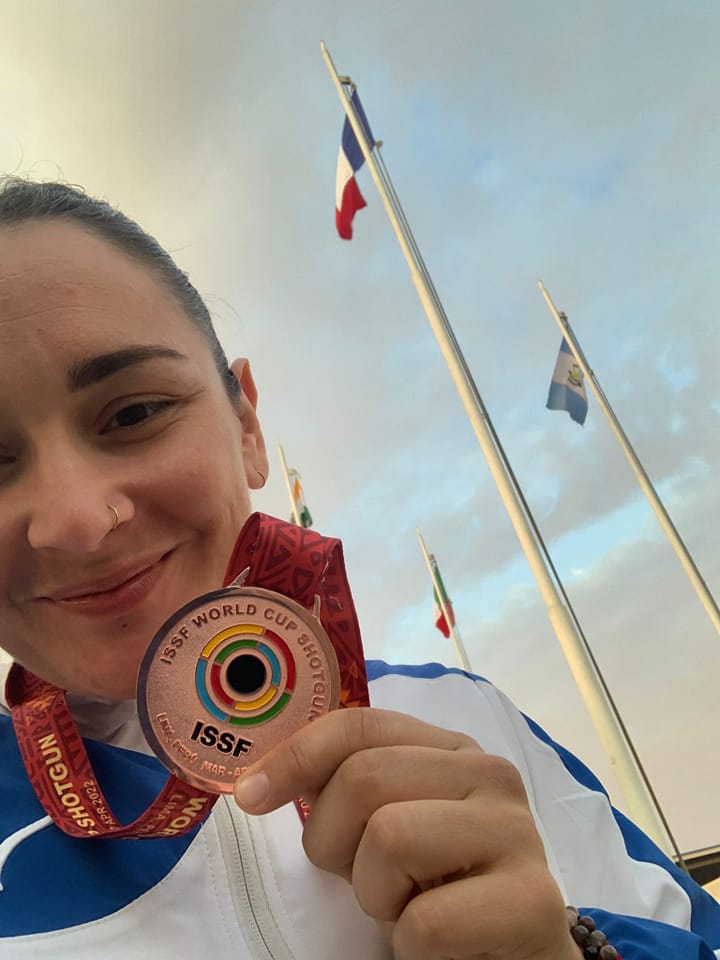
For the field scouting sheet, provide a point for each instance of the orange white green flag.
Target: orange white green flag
(301, 509)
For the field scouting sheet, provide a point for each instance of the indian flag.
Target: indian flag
(300, 505)
(440, 621)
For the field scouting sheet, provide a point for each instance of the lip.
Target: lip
(117, 593)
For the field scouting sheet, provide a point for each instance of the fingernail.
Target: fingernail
(251, 790)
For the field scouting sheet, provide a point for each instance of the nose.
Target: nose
(73, 505)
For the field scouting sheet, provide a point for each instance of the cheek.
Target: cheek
(18, 650)
(18, 575)
(202, 489)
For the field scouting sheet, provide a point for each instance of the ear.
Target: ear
(254, 455)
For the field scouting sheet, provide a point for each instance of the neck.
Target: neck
(97, 718)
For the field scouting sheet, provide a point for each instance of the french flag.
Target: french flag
(348, 199)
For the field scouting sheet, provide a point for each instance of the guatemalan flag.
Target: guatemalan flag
(567, 390)
(348, 199)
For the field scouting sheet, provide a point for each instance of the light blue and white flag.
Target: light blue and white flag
(567, 390)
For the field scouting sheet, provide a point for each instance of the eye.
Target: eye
(136, 413)
(8, 465)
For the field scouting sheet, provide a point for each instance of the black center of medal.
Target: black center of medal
(246, 674)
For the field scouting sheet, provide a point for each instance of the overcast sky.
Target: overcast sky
(571, 141)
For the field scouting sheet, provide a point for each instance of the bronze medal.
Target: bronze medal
(230, 675)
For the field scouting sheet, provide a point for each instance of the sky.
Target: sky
(570, 141)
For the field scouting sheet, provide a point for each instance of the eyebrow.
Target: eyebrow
(93, 369)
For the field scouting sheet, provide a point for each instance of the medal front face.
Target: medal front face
(230, 675)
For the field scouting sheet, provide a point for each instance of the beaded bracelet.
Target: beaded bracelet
(592, 942)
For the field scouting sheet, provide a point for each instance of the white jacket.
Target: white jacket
(241, 888)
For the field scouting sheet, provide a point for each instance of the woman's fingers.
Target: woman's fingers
(302, 764)
(416, 845)
(371, 780)
(511, 913)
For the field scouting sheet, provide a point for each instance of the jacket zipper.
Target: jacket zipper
(246, 885)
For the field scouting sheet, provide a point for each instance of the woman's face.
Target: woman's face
(108, 395)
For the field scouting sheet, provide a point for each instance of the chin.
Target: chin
(112, 689)
(115, 682)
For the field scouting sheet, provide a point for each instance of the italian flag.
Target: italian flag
(440, 621)
(303, 512)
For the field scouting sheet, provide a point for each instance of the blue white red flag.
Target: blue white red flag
(567, 390)
(348, 199)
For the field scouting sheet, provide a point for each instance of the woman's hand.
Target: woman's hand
(435, 836)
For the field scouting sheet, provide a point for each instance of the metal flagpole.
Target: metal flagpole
(288, 484)
(701, 588)
(585, 673)
(460, 650)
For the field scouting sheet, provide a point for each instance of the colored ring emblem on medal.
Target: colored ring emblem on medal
(245, 680)
(230, 675)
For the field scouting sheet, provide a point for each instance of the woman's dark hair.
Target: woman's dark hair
(24, 200)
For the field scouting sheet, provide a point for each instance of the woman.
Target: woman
(128, 451)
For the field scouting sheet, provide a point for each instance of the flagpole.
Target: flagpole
(585, 673)
(286, 474)
(683, 555)
(454, 632)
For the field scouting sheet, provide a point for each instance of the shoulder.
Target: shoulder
(451, 698)
(34, 853)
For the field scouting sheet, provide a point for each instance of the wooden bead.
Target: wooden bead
(607, 953)
(593, 942)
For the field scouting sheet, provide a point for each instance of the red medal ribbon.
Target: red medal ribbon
(290, 560)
